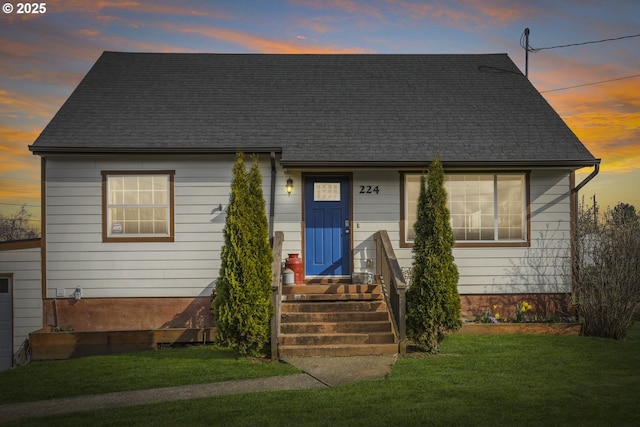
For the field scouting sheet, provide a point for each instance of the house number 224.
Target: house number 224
(369, 189)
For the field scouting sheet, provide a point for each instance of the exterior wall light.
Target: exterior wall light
(289, 186)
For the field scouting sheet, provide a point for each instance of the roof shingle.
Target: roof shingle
(314, 109)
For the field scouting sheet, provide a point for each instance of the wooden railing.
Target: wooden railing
(276, 291)
(390, 274)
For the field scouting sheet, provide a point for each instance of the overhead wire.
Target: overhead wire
(523, 44)
(527, 46)
(590, 84)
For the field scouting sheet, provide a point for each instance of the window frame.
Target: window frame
(106, 237)
(470, 243)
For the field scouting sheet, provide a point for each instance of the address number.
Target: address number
(369, 189)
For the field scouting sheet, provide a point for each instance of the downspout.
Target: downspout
(588, 178)
(596, 169)
(272, 197)
(574, 227)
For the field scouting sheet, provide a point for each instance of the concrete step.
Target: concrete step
(337, 350)
(339, 288)
(336, 339)
(335, 320)
(344, 316)
(336, 327)
(333, 297)
(333, 306)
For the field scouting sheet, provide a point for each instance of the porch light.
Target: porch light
(289, 186)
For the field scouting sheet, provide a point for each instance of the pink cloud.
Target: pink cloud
(464, 13)
(348, 6)
(256, 43)
(98, 7)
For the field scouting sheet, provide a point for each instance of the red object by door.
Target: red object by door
(295, 264)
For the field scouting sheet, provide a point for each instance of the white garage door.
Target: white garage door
(6, 320)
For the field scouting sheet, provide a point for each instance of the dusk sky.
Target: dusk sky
(44, 56)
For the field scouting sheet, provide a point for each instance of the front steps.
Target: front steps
(335, 320)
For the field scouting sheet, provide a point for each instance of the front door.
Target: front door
(327, 228)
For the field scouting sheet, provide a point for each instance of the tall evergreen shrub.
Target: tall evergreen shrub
(433, 302)
(242, 307)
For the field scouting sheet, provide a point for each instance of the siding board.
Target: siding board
(25, 267)
(188, 266)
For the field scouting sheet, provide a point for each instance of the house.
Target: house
(20, 295)
(136, 170)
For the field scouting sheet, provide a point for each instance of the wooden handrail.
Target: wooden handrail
(276, 291)
(389, 271)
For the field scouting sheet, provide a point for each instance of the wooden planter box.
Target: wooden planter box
(521, 328)
(49, 345)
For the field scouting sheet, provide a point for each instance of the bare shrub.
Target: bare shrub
(607, 271)
(17, 226)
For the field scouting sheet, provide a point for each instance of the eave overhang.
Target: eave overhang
(319, 163)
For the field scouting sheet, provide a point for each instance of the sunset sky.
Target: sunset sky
(44, 56)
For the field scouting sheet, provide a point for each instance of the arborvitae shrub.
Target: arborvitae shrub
(433, 302)
(242, 307)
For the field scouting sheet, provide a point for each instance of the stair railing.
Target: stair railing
(390, 273)
(276, 291)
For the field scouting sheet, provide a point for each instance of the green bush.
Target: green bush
(433, 302)
(242, 307)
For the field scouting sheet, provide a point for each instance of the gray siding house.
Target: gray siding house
(136, 171)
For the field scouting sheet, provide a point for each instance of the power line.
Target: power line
(591, 84)
(20, 204)
(528, 47)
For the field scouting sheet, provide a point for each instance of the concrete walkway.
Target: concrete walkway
(334, 371)
(319, 372)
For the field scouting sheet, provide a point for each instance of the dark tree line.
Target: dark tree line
(18, 226)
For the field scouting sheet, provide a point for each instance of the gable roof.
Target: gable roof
(315, 110)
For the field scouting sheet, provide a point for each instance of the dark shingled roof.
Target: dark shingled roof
(315, 109)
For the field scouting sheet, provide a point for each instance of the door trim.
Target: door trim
(331, 279)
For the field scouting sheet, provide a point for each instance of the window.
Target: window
(137, 206)
(484, 208)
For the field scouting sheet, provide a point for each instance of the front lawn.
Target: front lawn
(478, 380)
(131, 371)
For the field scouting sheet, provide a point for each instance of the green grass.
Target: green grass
(133, 371)
(479, 380)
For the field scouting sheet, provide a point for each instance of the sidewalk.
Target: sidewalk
(319, 372)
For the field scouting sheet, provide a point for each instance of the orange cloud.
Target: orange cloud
(97, 7)
(20, 191)
(604, 116)
(14, 153)
(607, 121)
(480, 14)
(255, 43)
(88, 32)
(26, 106)
(318, 24)
(348, 6)
(19, 169)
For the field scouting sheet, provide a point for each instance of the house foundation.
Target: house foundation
(543, 305)
(120, 314)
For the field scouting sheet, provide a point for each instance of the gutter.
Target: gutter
(62, 150)
(596, 169)
(472, 164)
(574, 191)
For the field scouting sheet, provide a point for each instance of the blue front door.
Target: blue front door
(327, 226)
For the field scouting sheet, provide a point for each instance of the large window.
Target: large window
(137, 206)
(484, 208)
